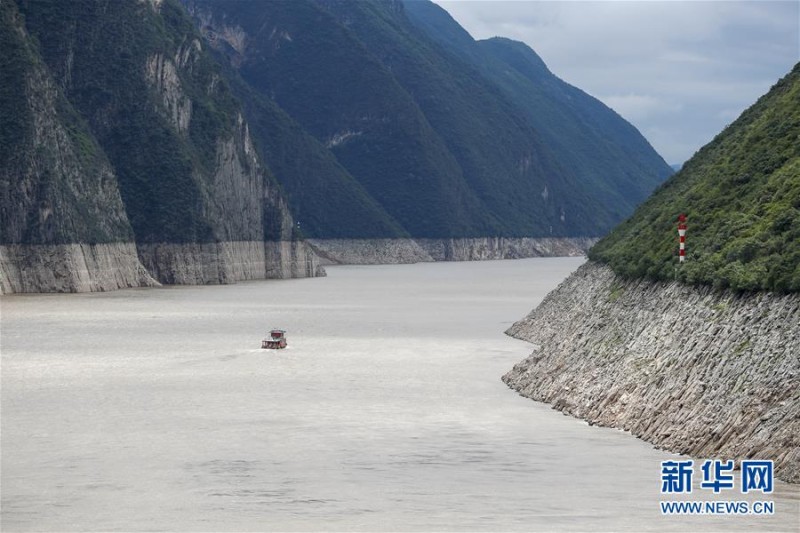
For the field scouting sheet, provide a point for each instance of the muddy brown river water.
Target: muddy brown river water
(155, 409)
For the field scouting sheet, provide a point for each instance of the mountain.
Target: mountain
(152, 98)
(323, 77)
(741, 196)
(444, 147)
(325, 199)
(614, 163)
(699, 358)
(201, 141)
(119, 128)
(57, 184)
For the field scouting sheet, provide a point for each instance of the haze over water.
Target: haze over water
(155, 409)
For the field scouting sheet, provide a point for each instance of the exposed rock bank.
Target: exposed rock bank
(369, 251)
(71, 268)
(694, 371)
(106, 267)
(486, 248)
(229, 262)
(400, 251)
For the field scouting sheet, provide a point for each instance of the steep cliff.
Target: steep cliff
(130, 123)
(316, 70)
(323, 196)
(679, 353)
(57, 188)
(201, 140)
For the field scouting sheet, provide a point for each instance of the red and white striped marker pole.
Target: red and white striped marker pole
(682, 236)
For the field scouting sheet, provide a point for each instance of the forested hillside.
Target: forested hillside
(56, 185)
(741, 196)
(445, 145)
(125, 157)
(614, 163)
(154, 99)
(189, 135)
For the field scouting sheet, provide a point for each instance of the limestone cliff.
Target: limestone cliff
(63, 225)
(71, 268)
(693, 370)
(126, 160)
(369, 251)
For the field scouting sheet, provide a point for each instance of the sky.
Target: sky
(680, 71)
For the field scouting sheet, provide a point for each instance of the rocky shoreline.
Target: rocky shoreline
(26, 268)
(691, 370)
(402, 251)
(107, 267)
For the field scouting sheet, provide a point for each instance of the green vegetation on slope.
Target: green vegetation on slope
(56, 185)
(514, 175)
(325, 200)
(445, 147)
(327, 81)
(612, 162)
(15, 61)
(741, 195)
(99, 52)
(373, 128)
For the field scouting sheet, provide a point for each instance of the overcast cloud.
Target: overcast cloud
(680, 71)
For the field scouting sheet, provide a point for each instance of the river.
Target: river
(155, 409)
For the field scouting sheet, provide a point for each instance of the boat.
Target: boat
(275, 341)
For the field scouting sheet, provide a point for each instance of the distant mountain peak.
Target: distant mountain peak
(525, 53)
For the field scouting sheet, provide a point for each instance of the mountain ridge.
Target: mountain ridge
(204, 140)
(473, 164)
(591, 138)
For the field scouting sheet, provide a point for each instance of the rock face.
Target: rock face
(129, 162)
(229, 262)
(369, 251)
(71, 268)
(401, 251)
(63, 224)
(291, 259)
(694, 371)
(479, 249)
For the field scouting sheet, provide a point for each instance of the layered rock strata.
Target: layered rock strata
(107, 267)
(400, 251)
(369, 251)
(486, 248)
(229, 262)
(71, 268)
(174, 192)
(692, 370)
